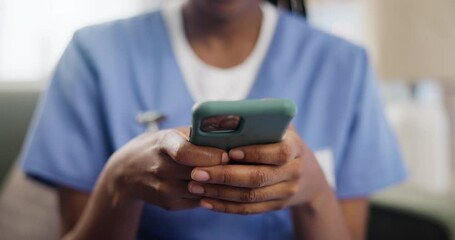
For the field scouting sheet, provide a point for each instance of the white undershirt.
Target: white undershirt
(206, 82)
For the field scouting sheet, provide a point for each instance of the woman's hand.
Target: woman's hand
(276, 176)
(153, 168)
(156, 168)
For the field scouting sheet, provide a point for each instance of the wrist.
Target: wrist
(115, 184)
(319, 201)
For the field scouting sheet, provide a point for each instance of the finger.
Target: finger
(185, 131)
(291, 127)
(180, 204)
(183, 152)
(172, 171)
(242, 208)
(273, 154)
(149, 191)
(250, 176)
(281, 190)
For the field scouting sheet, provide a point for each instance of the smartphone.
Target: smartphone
(231, 124)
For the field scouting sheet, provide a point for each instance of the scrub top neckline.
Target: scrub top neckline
(260, 77)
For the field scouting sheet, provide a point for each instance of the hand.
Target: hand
(278, 176)
(156, 168)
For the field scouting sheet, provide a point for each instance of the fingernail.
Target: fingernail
(197, 189)
(237, 154)
(206, 205)
(199, 175)
(224, 158)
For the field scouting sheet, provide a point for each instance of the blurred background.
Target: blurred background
(411, 44)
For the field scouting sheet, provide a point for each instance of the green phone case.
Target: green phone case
(261, 121)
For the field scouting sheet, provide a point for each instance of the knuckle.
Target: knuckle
(285, 153)
(254, 154)
(280, 205)
(161, 140)
(153, 170)
(164, 189)
(160, 188)
(296, 170)
(209, 155)
(154, 149)
(224, 209)
(293, 189)
(226, 177)
(216, 192)
(180, 154)
(258, 178)
(244, 210)
(158, 172)
(249, 196)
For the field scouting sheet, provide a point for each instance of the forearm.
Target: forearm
(106, 217)
(321, 218)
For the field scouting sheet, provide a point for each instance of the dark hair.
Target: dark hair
(297, 6)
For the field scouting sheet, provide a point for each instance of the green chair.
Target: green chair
(16, 110)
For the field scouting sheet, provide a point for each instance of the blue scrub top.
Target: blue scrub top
(111, 72)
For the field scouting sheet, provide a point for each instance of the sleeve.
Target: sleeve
(370, 159)
(67, 143)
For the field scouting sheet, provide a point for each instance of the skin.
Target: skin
(276, 176)
(222, 33)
